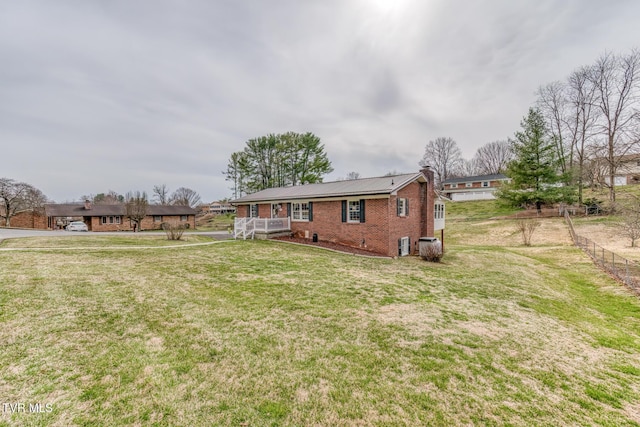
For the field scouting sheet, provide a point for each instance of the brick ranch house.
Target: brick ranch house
(385, 215)
(103, 217)
(481, 187)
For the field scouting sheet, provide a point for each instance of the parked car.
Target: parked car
(77, 226)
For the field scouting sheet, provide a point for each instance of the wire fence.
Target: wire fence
(628, 272)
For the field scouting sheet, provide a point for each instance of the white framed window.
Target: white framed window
(454, 185)
(353, 211)
(438, 211)
(118, 219)
(468, 184)
(183, 217)
(157, 218)
(403, 207)
(485, 183)
(103, 220)
(300, 211)
(111, 220)
(253, 211)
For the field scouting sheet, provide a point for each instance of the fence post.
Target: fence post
(613, 258)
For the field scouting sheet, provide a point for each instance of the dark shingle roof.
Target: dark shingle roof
(77, 209)
(352, 187)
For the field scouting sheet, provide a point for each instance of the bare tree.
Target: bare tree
(492, 158)
(630, 225)
(161, 194)
(352, 175)
(616, 80)
(580, 121)
(136, 204)
(552, 102)
(469, 168)
(444, 157)
(16, 197)
(185, 197)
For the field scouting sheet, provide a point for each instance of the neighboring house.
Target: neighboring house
(113, 217)
(221, 208)
(26, 219)
(627, 172)
(385, 215)
(481, 187)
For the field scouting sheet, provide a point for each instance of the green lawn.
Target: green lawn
(264, 333)
(93, 241)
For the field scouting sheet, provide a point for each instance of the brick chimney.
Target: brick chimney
(428, 172)
(427, 221)
(87, 205)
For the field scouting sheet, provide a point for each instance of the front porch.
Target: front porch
(261, 228)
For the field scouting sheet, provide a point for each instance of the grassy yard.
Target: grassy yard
(93, 241)
(263, 333)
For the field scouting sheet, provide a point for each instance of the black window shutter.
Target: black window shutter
(362, 210)
(409, 243)
(406, 204)
(398, 206)
(248, 211)
(399, 247)
(310, 211)
(289, 210)
(344, 211)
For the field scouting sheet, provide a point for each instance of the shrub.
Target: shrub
(527, 227)
(432, 253)
(173, 231)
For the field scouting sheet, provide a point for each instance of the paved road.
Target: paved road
(8, 233)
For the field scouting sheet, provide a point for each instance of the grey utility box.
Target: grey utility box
(429, 246)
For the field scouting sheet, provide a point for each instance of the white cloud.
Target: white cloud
(124, 95)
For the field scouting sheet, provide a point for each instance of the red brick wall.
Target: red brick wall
(416, 223)
(27, 219)
(327, 222)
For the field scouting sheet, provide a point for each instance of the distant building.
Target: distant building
(627, 172)
(480, 187)
(221, 208)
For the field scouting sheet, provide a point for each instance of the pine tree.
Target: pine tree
(534, 172)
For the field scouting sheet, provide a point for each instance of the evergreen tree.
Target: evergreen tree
(534, 172)
(277, 161)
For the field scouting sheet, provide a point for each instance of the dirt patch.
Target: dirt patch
(330, 245)
(533, 213)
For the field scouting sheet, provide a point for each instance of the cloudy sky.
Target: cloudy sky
(99, 95)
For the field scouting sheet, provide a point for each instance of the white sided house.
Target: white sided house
(481, 187)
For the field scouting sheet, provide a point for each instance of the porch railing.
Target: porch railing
(247, 227)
